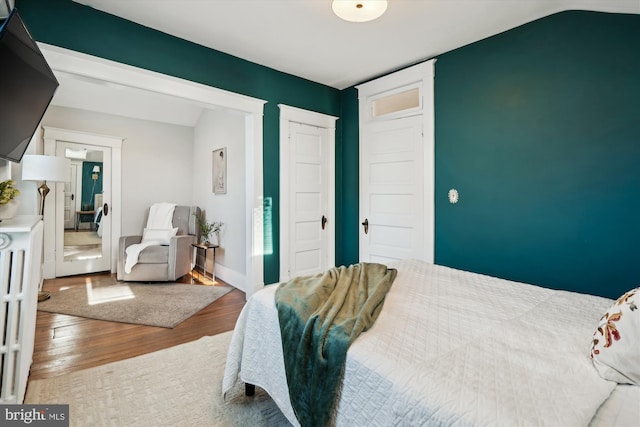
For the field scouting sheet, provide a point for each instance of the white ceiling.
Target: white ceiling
(305, 38)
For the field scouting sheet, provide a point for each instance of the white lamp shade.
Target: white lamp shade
(36, 167)
(359, 10)
(96, 169)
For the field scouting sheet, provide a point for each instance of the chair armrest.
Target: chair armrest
(123, 243)
(182, 241)
(126, 241)
(181, 255)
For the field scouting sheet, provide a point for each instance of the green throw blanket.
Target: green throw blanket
(320, 317)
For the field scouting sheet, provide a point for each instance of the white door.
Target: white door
(308, 199)
(86, 247)
(392, 190)
(70, 198)
(396, 200)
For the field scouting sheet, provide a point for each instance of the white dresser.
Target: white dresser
(20, 275)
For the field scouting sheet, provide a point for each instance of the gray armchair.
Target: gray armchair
(161, 262)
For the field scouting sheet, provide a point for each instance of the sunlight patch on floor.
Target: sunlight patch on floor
(103, 294)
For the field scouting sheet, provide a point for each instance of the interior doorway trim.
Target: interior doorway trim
(290, 115)
(82, 66)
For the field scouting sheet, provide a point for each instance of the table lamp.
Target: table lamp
(36, 167)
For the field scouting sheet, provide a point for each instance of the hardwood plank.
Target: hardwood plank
(65, 344)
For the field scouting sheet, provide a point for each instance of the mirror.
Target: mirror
(83, 205)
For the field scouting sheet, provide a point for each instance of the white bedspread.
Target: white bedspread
(449, 348)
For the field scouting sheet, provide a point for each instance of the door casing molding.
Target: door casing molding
(290, 115)
(419, 76)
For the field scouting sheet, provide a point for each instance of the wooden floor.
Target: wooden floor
(65, 344)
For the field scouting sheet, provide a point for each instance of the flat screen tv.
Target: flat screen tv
(27, 85)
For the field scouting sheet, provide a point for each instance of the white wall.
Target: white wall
(156, 159)
(217, 129)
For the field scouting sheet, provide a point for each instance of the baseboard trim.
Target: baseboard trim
(232, 277)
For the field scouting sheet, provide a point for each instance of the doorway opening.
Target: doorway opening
(110, 74)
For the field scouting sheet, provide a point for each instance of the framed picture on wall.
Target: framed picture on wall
(220, 171)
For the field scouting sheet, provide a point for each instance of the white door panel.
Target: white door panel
(392, 186)
(309, 193)
(307, 186)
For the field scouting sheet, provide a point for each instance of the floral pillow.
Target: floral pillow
(615, 350)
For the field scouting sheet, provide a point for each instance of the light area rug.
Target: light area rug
(153, 304)
(179, 386)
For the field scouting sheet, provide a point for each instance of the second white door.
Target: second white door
(308, 197)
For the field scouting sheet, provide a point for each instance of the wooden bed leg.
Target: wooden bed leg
(249, 389)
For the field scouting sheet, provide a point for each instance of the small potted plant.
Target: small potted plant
(8, 202)
(207, 229)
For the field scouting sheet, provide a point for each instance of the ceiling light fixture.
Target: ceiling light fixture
(359, 10)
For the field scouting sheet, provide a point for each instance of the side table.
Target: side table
(201, 247)
(79, 216)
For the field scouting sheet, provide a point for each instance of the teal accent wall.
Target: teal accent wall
(77, 27)
(347, 239)
(538, 128)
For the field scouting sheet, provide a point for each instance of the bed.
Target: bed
(454, 348)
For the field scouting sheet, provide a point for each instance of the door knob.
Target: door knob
(324, 221)
(72, 197)
(105, 209)
(365, 224)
